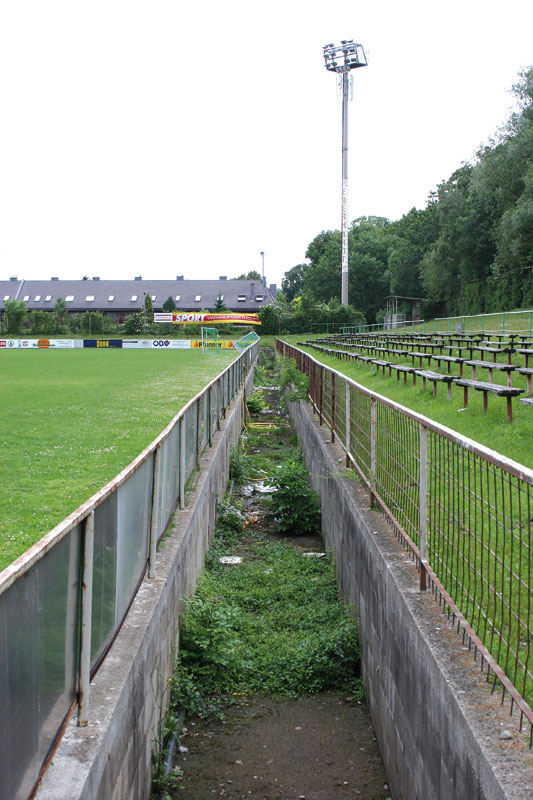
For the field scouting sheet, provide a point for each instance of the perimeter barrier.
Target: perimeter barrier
(463, 511)
(63, 602)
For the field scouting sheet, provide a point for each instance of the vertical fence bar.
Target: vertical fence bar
(332, 406)
(155, 515)
(373, 451)
(348, 415)
(183, 454)
(209, 400)
(423, 505)
(86, 617)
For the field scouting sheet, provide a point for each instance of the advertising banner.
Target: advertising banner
(35, 344)
(102, 343)
(193, 318)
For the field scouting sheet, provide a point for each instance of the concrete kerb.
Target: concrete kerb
(111, 757)
(437, 724)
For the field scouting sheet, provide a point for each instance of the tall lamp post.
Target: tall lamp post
(342, 59)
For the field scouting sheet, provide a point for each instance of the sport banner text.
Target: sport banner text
(185, 318)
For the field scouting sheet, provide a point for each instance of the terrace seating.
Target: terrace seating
(449, 360)
(495, 388)
(491, 366)
(527, 401)
(525, 352)
(528, 373)
(434, 377)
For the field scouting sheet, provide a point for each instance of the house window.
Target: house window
(133, 298)
(220, 297)
(48, 298)
(69, 298)
(37, 298)
(178, 297)
(198, 298)
(259, 298)
(241, 298)
(153, 297)
(26, 298)
(111, 298)
(6, 297)
(89, 298)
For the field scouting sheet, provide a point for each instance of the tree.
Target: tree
(219, 307)
(293, 282)
(15, 314)
(148, 309)
(169, 305)
(253, 275)
(60, 313)
(134, 324)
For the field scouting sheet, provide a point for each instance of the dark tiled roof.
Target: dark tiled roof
(237, 295)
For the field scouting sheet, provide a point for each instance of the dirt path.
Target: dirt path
(318, 748)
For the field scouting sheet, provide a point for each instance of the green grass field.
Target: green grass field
(72, 419)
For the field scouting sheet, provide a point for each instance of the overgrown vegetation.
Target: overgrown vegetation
(272, 624)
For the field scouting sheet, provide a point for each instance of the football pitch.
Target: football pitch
(73, 419)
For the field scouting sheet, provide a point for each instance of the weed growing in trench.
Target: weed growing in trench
(295, 505)
(270, 625)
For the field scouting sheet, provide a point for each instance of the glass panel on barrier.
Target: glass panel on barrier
(169, 491)
(190, 439)
(39, 626)
(133, 525)
(104, 576)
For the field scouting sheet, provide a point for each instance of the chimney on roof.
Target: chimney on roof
(138, 278)
(223, 278)
(13, 278)
(54, 279)
(179, 277)
(252, 291)
(96, 279)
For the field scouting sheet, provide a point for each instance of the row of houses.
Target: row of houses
(117, 299)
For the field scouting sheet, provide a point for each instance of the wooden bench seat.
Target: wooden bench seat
(449, 360)
(527, 401)
(401, 368)
(434, 377)
(525, 351)
(491, 366)
(495, 388)
(528, 373)
(496, 351)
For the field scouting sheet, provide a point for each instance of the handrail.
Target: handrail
(464, 511)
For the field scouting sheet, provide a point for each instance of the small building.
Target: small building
(117, 299)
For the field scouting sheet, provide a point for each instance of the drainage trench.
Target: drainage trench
(317, 743)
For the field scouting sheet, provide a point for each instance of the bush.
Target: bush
(255, 403)
(294, 503)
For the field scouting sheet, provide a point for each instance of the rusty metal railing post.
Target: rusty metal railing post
(84, 680)
(373, 451)
(209, 400)
(320, 394)
(155, 515)
(423, 506)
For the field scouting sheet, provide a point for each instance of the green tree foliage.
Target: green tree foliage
(134, 324)
(60, 315)
(293, 282)
(148, 309)
(253, 275)
(14, 316)
(169, 305)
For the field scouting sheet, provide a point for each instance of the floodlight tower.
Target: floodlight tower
(342, 59)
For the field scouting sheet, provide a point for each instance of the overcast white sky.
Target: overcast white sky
(164, 138)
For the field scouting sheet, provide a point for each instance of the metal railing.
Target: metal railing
(464, 512)
(63, 601)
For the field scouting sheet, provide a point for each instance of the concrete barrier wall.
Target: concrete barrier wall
(438, 726)
(111, 758)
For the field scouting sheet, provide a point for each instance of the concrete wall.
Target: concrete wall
(111, 758)
(437, 724)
